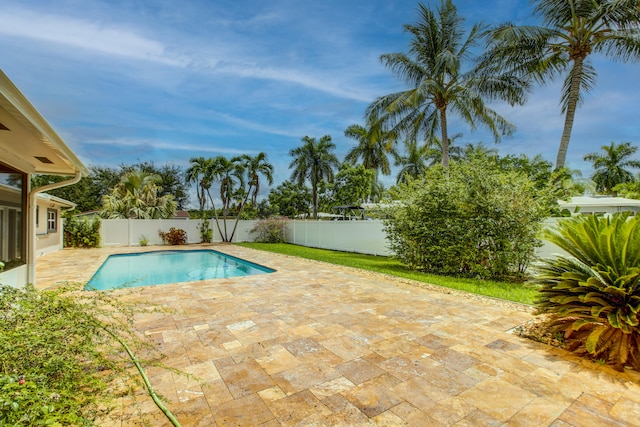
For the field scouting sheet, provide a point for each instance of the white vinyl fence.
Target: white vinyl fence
(129, 232)
(365, 237)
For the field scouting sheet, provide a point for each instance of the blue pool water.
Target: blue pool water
(156, 268)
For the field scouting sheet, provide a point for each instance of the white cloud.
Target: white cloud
(87, 35)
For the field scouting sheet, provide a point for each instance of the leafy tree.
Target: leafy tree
(612, 166)
(352, 184)
(630, 190)
(592, 295)
(313, 161)
(136, 196)
(438, 82)
(572, 30)
(290, 200)
(471, 219)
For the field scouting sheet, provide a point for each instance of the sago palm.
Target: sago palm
(612, 166)
(593, 295)
(572, 31)
(439, 70)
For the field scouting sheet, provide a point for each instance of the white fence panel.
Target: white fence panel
(365, 237)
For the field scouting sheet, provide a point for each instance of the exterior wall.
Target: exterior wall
(47, 240)
(17, 277)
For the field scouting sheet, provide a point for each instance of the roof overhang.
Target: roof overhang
(27, 142)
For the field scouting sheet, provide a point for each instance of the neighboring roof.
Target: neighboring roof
(55, 199)
(182, 215)
(585, 201)
(27, 141)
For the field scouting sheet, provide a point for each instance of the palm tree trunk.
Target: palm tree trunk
(215, 215)
(314, 189)
(445, 138)
(572, 102)
(244, 201)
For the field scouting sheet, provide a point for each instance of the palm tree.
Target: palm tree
(230, 174)
(374, 147)
(434, 71)
(611, 167)
(254, 167)
(136, 196)
(199, 173)
(315, 161)
(572, 31)
(415, 163)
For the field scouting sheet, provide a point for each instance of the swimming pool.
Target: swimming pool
(160, 267)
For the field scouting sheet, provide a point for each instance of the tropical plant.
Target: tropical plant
(572, 30)
(175, 236)
(313, 161)
(438, 83)
(611, 167)
(434, 150)
(593, 294)
(136, 196)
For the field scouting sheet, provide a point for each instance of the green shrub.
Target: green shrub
(175, 236)
(58, 356)
(206, 233)
(82, 232)
(473, 220)
(270, 230)
(593, 295)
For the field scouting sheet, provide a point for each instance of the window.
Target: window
(13, 202)
(52, 220)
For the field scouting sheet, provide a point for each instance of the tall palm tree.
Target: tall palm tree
(435, 72)
(415, 163)
(572, 30)
(611, 166)
(315, 161)
(136, 196)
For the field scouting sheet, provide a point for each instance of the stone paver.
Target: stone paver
(314, 344)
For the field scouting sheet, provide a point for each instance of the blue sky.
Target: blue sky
(126, 81)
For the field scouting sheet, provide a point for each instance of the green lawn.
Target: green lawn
(517, 292)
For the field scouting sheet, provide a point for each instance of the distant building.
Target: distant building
(597, 205)
(181, 215)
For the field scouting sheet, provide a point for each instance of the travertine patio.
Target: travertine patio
(314, 344)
